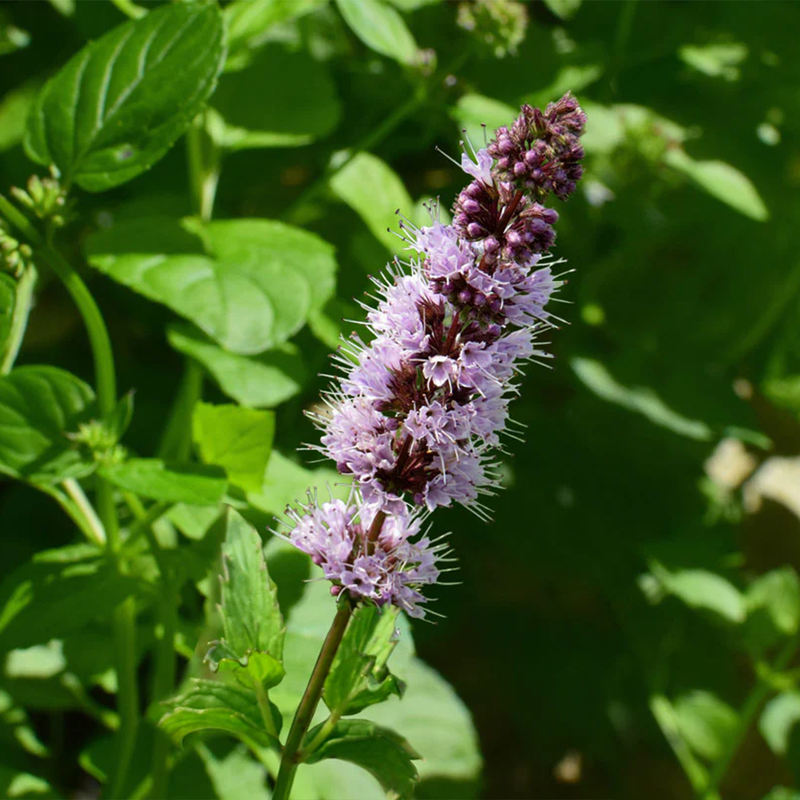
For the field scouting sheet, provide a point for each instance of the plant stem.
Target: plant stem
(176, 443)
(204, 167)
(264, 707)
(93, 526)
(308, 705)
(757, 696)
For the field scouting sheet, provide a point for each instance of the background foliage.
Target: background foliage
(627, 624)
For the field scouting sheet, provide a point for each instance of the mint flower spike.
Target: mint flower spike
(422, 402)
(384, 566)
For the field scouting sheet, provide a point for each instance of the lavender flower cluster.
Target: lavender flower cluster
(422, 404)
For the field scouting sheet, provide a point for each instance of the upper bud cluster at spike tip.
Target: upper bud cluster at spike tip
(423, 402)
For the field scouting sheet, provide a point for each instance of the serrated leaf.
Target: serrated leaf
(211, 705)
(237, 439)
(251, 618)
(706, 723)
(359, 676)
(194, 484)
(381, 28)
(375, 192)
(722, 181)
(122, 101)
(383, 753)
(253, 665)
(250, 284)
(262, 381)
(38, 407)
(58, 592)
(303, 104)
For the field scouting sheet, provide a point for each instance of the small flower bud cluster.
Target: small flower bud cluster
(45, 199)
(424, 401)
(498, 25)
(541, 152)
(14, 255)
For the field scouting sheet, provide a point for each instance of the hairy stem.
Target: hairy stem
(308, 705)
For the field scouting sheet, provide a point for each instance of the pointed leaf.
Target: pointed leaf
(722, 181)
(211, 705)
(250, 284)
(359, 676)
(38, 406)
(237, 439)
(779, 717)
(121, 102)
(251, 618)
(375, 192)
(381, 28)
(194, 484)
(383, 753)
(707, 724)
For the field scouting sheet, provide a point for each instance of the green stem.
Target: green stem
(106, 388)
(308, 705)
(176, 443)
(264, 707)
(757, 696)
(86, 509)
(204, 168)
(23, 301)
(321, 735)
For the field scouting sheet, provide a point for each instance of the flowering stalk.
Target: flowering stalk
(422, 404)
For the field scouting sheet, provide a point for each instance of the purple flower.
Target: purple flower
(389, 568)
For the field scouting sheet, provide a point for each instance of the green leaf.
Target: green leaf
(14, 109)
(773, 604)
(779, 717)
(303, 103)
(253, 630)
(38, 407)
(718, 60)
(237, 439)
(721, 181)
(383, 753)
(638, 399)
(236, 775)
(705, 590)
(359, 676)
(194, 484)
(707, 724)
(250, 284)
(262, 381)
(211, 705)
(380, 28)
(120, 418)
(563, 9)
(249, 23)
(17, 783)
(121, 102)
(473, 111)
(58, 592)
(286, 481)
(376, 193)
(782, 793)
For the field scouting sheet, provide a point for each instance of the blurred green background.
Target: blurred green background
(683, 334)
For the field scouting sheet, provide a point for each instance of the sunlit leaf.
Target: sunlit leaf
(381, 28)
(121, 102)
(707, 724)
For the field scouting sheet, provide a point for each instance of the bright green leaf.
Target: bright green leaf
(237, 439)
(236, 775)
(121, 102)
(250, 284)
(211, 705)
(58, 592)
(719, 60)
(38, 407)
(381, 28)
(707, 724)
(18, 783)
(383, 753)
(705, 590)
(171, 483)
(253, 630)
(721, 181)
(14, 109)
(262, 381)
(779, 717)
(563, 9)
(302, 104)
(359, 676)
(776, 594)
(376, 193)
(473, 111)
